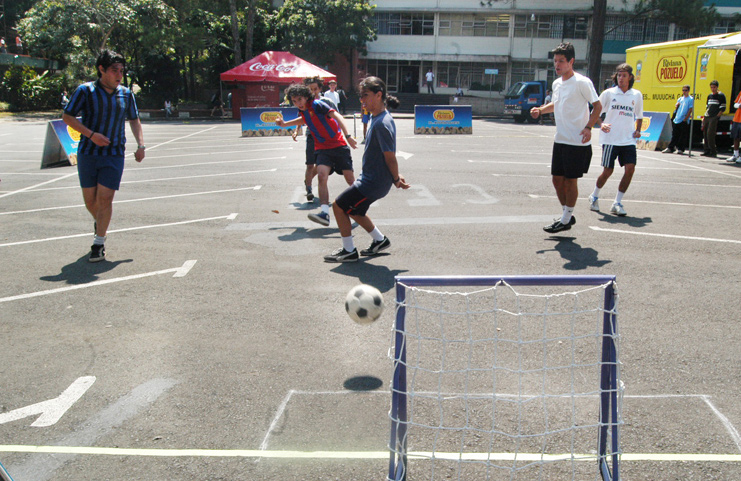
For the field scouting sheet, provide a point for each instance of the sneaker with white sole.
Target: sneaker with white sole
(97, 253)
(557, 226)
(376, 247)
(618, 209)
(733, 158)
(320, 218)
(594, 203)
(341, 255)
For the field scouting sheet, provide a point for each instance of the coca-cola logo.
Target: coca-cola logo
(284, 67)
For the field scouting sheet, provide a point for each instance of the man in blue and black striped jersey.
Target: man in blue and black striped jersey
(104, 106)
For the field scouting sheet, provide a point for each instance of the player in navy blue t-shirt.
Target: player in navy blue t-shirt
(380, 172)
(104, 106)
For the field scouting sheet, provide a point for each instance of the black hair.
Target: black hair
(314, 80)
(298, 90)
(108, 58)
(566, 49)
(624, 67)
(375, 85)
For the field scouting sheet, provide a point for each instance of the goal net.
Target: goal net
(505, 378)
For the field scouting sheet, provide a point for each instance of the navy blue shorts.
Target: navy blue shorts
(310, 151)
(105, 170)
(353, 202)
(626, 154)
(571, 161)
(338, 159)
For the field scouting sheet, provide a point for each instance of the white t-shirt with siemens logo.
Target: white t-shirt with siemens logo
(622, 109)
(571, 99)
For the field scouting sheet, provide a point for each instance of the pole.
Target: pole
(694, 85)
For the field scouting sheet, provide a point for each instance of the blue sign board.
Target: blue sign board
(656, 131)
(443, 119)
(491, 71)
(260, 121)
(60, 144)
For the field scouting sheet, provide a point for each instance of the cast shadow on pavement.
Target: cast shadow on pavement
(82, 271)
(626, 220)
(577, 257)
(380, 277)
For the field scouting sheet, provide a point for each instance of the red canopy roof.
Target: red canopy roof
(278, 67)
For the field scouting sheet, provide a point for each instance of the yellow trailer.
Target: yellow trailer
(661, 69)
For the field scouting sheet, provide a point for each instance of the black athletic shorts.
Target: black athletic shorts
(571, 161)
(353, 202)
(310, 152)
(338, 159)
(626, 154)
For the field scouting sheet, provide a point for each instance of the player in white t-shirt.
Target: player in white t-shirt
(572, 152)
(622, 127)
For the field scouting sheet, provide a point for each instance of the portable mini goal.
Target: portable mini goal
(514, 377)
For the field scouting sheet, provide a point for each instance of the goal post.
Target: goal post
(514, 377)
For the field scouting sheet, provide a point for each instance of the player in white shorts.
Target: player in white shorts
(621, 128)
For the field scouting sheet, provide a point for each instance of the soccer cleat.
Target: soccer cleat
(667, 151)
(97, 253)
(309, 193)
(558, 226)
(593, 203)
(376, 247)
(341, 255)
(617, 209)
(320, 218)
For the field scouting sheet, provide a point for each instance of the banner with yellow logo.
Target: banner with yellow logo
(260, 121)
(443, 119)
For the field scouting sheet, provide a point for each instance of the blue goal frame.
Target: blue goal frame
(608, 412)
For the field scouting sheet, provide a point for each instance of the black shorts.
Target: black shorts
(626, 154)
(310, 152)
(353, 202)
(338, 159)
(570, 161)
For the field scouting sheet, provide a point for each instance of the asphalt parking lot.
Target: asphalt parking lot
(213, 344)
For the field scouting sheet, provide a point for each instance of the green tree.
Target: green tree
(318, 29)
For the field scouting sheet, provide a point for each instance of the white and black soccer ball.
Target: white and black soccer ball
(364, 304)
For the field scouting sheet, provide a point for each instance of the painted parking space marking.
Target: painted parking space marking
(190, 194)
(30, 187)
(683, 204)
(51, 411)
(670, 236)
(126, 229)
(159, 167)
(178, 272)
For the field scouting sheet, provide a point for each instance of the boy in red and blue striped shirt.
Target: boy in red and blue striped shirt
(331, 139)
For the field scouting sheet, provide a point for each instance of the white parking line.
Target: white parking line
(671, 236)
(37, 185)
(76, 206)
(154, 226)
(683, 204)
(179, 272)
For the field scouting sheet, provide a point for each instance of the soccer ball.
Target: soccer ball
(364, 304)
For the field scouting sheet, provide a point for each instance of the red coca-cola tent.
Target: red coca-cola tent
(259, 82)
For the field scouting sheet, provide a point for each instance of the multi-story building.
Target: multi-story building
(461, 39)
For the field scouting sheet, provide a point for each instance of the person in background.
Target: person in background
(716, 105)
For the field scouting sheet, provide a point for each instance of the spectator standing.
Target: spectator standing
(3, 46)
(65, 99)
(332, 93)
(168, 108)
(716, 105)
(681, 122)
(430, 79)
(343, 100)
(18, 45)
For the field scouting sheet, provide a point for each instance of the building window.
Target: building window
(537, 26)
(472, 25)
(404, 23)
(636, 30)
(575, 26)
(470, 75)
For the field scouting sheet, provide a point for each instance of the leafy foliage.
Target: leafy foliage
(25, 90)
(692, 15)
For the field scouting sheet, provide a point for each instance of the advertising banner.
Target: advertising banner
(260, 122)
(656, 131)
(443, 119)
(60, 144)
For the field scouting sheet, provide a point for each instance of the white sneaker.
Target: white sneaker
(593, 203)
(618, 209)
(734, 158)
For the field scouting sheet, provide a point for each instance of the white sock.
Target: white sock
(348, 244)
(325, 208)
(619, 197)
(376, 234)
(595, 194)
(735, 152)
(99, 240)
(567, 214)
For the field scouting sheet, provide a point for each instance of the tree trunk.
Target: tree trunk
(250, 29)
(596, 39)
(235, 32)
